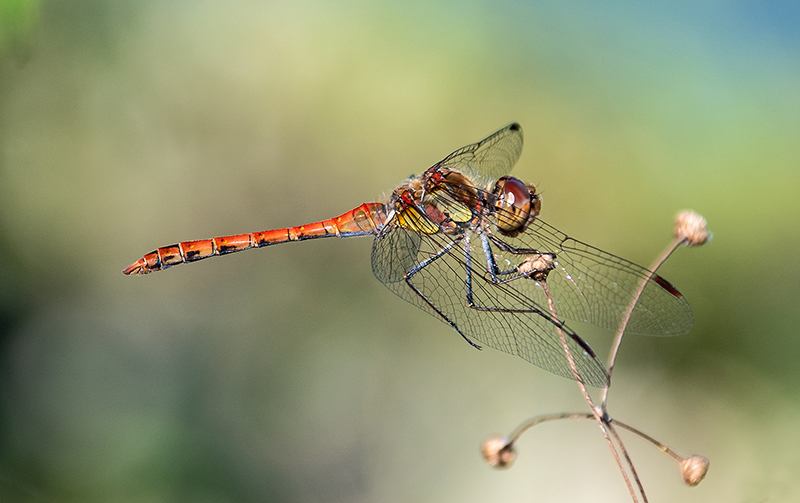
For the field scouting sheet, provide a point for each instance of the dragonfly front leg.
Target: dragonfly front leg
(492, 279)
(536, 265)
(491, 264)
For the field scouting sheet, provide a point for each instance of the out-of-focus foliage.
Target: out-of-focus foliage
(290, 373)
(18, 20)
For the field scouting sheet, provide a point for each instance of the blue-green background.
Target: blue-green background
(290, 373)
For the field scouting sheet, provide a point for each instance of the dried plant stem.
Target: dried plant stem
(530, 423)
(691, 229)
(626, 318)
(600, 419)
(627, 459)
(663, 448)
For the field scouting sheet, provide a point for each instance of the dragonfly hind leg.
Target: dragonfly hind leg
(417, 268)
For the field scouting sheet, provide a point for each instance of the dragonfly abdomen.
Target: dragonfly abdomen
(366, 219)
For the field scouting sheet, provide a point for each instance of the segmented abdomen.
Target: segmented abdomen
(368, 218)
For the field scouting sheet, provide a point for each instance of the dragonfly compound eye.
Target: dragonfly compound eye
(512, 205)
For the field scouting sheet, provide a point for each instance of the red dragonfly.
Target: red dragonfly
(464, 243)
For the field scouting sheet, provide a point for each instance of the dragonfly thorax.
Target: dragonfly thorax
(453, 187)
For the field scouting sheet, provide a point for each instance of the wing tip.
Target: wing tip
(666, 285)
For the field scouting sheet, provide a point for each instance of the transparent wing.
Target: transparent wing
(591, 285)
(396, 254)
(447, 279)
(490, 158)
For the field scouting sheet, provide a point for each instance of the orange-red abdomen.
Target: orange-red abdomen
(368, 218)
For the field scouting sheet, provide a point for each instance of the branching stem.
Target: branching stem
(530, 423)
(596, 413)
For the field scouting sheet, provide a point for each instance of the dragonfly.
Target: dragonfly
(464, 242)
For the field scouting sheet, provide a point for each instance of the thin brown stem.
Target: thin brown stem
(663, 448)
(627, 459)
(618, 338)
(595, 411)
(530, 423)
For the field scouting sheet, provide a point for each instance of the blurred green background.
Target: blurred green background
(290, 373)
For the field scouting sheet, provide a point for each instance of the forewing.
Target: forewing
(490, 158)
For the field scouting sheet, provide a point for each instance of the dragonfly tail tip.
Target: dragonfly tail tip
(135, 268)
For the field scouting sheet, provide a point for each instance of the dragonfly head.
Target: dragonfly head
(516, 205)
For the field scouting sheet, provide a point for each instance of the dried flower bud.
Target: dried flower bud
(694, 469)
(498, 452)
(537, 266)
(692, 228)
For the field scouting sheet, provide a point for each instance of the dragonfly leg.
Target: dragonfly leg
(516, 251)
(491, 263)
(532, 310)
(417, 268)
(532, 267)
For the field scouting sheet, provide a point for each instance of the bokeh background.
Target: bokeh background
(290, 373)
